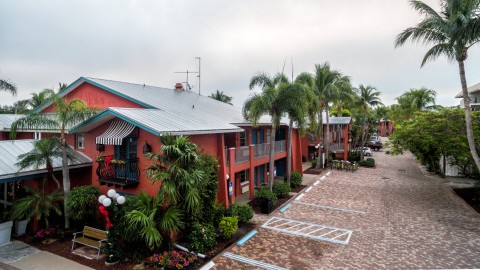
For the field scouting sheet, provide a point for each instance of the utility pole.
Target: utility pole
(199, 70)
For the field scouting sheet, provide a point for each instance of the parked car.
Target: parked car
(375, 145)
(366, 151)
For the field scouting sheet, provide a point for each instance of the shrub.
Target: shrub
(218, 213)
(296, 179)
(369, 162)
(82, 203)
(265, 193)
(202, 237)
(314, 163)
(282, 190)
(243, 212)
(228, 226)
(354, 156)
(171, 260)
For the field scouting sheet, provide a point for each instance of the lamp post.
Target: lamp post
(112, 201)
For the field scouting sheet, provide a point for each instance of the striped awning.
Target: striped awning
(115, 133)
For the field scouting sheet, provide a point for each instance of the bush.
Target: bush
(82, 203)
(369, 162)
(265, 193)
(314, 163)
(228, 226)
(296, 179)
(282, 190)
(218, 213)
(202, 237)
(243, 212)
(354, 156)
(171, 260)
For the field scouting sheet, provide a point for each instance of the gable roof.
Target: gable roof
(6, 120)
(474, 89)
(12, 149)
(160, 122)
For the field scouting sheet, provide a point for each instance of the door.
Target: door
(128, 152)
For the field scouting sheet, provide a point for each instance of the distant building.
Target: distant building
(474, 94)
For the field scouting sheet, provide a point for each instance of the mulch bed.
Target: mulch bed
(470, 196)
(313, 171)
(298, 189)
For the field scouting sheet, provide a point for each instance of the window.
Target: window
(80, 140)
(243, 138)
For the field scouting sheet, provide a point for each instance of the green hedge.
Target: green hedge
(282, 190)
(243, 212)
(295, 179)
(354, 156)
(314, 163)
(265, 193)
(369, 162)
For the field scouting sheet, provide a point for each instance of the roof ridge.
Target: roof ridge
(139, 84)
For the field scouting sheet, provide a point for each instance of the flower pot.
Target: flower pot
(112, 263)
(20, 226)
(5, 232)
(266, 206)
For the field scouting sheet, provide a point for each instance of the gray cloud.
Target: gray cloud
(46, 42)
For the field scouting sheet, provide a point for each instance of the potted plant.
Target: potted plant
(5, 228)
(20, 226)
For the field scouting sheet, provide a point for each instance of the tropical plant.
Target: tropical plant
(202, 237)
(264, 193)
(40, 98)
(7, 86)
(66, 114)
(368, 97)
(451, 32)
(208, 188)
(413, 101)
(228, 227)
(21, 106)
(152, 221)
(176, 166)
(82, 203)
(297, 179)
(243, 212)
(268, 102)
(220, 96)
(38, 204)
(282, 190)
(42, 155)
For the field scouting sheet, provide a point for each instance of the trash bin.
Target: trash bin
(266, 206)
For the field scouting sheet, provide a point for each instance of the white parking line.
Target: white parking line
(299, 197)
(246, 260)
(308, 189)
(332, 208)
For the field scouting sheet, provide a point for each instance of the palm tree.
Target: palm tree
(175, 167)
(452, 32)
(416, 100)
(37, 204)
(67, 113)
(151, 221)
(21, 106)
(40, 98)
(268, 102)
(368, 97)
(9, 87)
(41, 155)
(220, 96)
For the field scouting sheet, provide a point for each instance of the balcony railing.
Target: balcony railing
(123, 173)
(242, 154)
(280, 146)
(227, 160)
(262, 150)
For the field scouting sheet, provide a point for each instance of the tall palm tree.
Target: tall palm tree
(451, 32)
(9, 87)
(21, 106)
(368, 97)
(40, 98)
(67, 113)
(268, 102)
(416, 100)
(175, 167)
(220, 96)
(41, 156)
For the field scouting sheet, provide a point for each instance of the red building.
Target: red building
(134, 116)
(386, 128)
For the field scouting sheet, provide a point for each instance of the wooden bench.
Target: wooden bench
(90, 237)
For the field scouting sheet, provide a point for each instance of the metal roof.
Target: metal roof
(10, 150)
(337, 120)
(6, 120)
(159, 122)
(471, 90)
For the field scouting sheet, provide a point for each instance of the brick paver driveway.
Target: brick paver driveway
(399, 218)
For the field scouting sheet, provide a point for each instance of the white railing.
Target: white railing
(280, 146)
(262, 150)
(242, 154)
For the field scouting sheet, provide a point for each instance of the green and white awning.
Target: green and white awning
(115, 133)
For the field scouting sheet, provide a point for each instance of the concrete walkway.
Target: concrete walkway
(399, 218)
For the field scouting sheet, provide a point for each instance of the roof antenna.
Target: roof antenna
(188, 87)
(199, 70)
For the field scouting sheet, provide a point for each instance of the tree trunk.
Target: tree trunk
(468, 115)
(363, 134)
(272, 157)
(289, 151)
(66, 180)
(327, 135)
(320, 136)
(50, 172)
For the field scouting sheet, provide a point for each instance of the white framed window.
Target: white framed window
(80, 140)
(37, 135)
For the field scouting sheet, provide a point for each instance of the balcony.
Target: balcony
(280, 146)
(119, 173)
(262, 150)
(242, 154)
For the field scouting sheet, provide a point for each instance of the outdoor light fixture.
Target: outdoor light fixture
(106, 201)
(100, 147)
(147, 148)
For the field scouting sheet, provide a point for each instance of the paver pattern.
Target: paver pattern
(409, 221)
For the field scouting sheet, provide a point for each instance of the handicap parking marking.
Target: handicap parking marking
(309, 230)
(332, 208)
(253, 262)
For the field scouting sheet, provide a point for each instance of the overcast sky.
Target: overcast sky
(46, 42)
